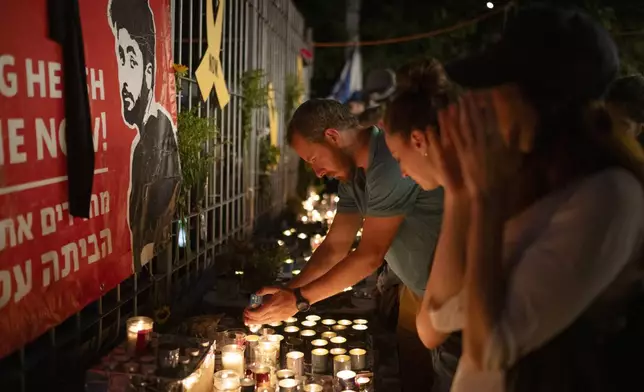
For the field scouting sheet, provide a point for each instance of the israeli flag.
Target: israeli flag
(350, 79)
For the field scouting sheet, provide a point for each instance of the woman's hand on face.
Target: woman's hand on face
(443, 154)
(484, 158)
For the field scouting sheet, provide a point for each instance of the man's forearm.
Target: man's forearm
(323, 259)
(351, 270)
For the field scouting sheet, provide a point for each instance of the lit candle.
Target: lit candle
(328, 335)
(363, 383)
(313, 388)
(308, 324)
(232, 358)
(319, 360)
(319, 343)
(338, 342)
(339, 328)
(345, 322)
(328, 322)
(288, 385)
(226, 380)
(337, 351)
(347, 379)
(358, 359)
(251, 343)
(295, 362)
(266, 331)
(291, 330)
(283, 374)
(276, 324)
(290, 321)
(266, 353)
(359, 330)
(262, 375)
(340, 363)
(313, 317)
(139, 331)
(247, 385)
(360, 321)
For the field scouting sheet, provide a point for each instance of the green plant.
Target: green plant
(255, 96)
(193, 132)
(259, 262)
(180, 72)
(269, 155)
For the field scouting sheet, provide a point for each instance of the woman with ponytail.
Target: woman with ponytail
(539, 257)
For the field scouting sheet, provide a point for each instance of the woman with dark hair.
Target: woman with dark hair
(539, 258)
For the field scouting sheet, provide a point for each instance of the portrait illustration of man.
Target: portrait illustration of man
(154, 162)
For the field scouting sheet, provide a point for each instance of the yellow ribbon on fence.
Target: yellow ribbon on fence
(210, 74)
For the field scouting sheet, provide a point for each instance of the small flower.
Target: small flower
(180, 69)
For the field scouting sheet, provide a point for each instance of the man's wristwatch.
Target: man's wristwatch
(302, 303)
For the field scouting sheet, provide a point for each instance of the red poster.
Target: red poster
(51, 264)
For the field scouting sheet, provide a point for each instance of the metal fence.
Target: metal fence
(257, 34)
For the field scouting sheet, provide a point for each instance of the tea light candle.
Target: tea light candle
(288, 385)
(226, 380)
(138, 334)
(319, 343)
(358, 358)
(290, 321)
(363, 383)
(338, 342)
(295, 362)
(345, 322)
(328, 335)
(337, 351)
(340, 363)
(284, 374)
(313, 317)
(276, 324)
(308, 324)
(339, 328)
(291, 330)
(232, 358)
(247, 385)
(266, 353)
(328, 322)
(347, 379)
(319, 360)
(262, 374)
(360, 321)
(359, 330)
(313, 388)
(251, 343)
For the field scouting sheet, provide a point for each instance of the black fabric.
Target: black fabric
(65, 29)
(585, 358)
(552, 53)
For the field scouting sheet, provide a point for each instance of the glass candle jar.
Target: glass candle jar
(227, 381)
(232, 358)
(139, 330)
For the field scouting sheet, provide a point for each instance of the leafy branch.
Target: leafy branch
(255, 96)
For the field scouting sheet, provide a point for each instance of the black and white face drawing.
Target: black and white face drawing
(135, 77)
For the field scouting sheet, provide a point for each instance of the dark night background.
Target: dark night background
(396, 18)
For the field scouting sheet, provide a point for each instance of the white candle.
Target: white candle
(319, 343)
(347, 379)
(313, 388)
(360, 321)
(319, 360)
(226, 380)
(363, 382)
(251, 342)
(338, 341)
(358, 358)
(345, 322)
(290, 321)
(328, 322)
(295, 362)
(337, 351)
(328, 335)
(340, 363)
(313, 317)
(288, 385)
(339, 328)
(139, 330)
(232, 358)
(308, 323)
(291, 330)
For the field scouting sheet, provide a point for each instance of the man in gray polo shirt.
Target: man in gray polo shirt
(400, 222)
